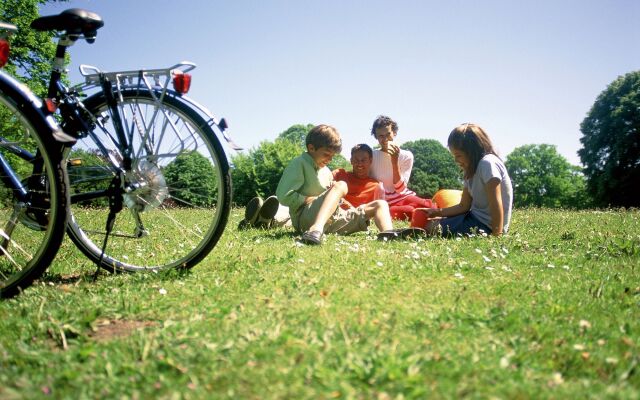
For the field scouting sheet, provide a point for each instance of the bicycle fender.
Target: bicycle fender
(211, 120)
(25, 98)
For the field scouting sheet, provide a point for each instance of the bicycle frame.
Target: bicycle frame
(10, 85)
(155, 82)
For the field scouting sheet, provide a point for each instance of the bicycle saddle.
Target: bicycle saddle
(74, 21)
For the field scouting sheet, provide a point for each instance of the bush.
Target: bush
(191, 180)
(433, 168)
(543, 178)
(258, 172)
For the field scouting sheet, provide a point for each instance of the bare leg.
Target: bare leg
(329, 205)
(379, 211)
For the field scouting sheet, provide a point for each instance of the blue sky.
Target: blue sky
(528, 72)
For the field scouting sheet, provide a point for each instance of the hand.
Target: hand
(393, 150)
(310, 199)
(432, 212)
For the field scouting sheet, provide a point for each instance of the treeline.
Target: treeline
(541, 176)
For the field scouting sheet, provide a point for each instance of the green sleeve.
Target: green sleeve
(291, 182)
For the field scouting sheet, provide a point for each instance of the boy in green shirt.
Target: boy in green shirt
(313, 197)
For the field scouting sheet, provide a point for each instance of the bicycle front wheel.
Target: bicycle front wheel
(32, 192)
(174, 194)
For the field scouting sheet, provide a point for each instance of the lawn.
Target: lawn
(550, 311)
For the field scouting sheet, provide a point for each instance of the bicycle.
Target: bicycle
(33, 195)
(132, 205)
(128, 137)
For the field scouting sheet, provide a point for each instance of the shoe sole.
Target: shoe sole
(252, 210)
(411, 233)
(267, 212)
(269, 208)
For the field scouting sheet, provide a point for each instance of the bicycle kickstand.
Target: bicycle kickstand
(115, 206)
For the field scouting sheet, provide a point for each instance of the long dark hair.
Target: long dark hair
(474, 142)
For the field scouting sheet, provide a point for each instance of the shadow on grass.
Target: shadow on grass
(90, 276)
(67, 279)
(273, 233)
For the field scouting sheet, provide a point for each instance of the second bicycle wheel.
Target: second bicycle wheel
(175, 192)
(33, 200)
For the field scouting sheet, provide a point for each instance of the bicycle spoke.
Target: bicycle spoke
(182, 219)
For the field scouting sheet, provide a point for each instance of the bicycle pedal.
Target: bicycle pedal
(74, 162)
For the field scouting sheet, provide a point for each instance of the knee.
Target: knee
(340, 187)
(381, 205)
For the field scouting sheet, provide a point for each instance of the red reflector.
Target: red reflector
(182, 82)
(4, 52)
(51, 105)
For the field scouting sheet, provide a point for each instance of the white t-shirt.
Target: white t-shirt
(381, 170)
(490, 166)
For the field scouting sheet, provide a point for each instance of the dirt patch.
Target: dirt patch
(105, 330)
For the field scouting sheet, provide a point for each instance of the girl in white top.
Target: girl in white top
(487, 196)
(392, 166)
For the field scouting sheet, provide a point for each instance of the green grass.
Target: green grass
(550, 311)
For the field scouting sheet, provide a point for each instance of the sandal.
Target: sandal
(312, 238)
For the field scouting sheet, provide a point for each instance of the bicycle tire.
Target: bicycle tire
(182, 222)
(30, 231)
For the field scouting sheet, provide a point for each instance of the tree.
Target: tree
(298, 134)
(433, 168)
(543, 178)
(31, 51)
(89, 171)
(611, 143)
(191, 179)
(258, 172)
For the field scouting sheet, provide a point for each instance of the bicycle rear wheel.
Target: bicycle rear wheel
(178, 185)
(32, 192)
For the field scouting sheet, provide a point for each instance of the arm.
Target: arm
(379, 193)
(394, 152)
(401, 167)
(460, 208)
(291, 181)
(494, 196)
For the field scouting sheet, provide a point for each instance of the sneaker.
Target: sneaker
(252, 210)
(312, 237)
(388, 235)
(267, 212)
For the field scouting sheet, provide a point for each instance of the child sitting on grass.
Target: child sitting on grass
(313, 197)
(487, 195)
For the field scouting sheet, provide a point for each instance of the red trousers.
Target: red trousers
(403, 209)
